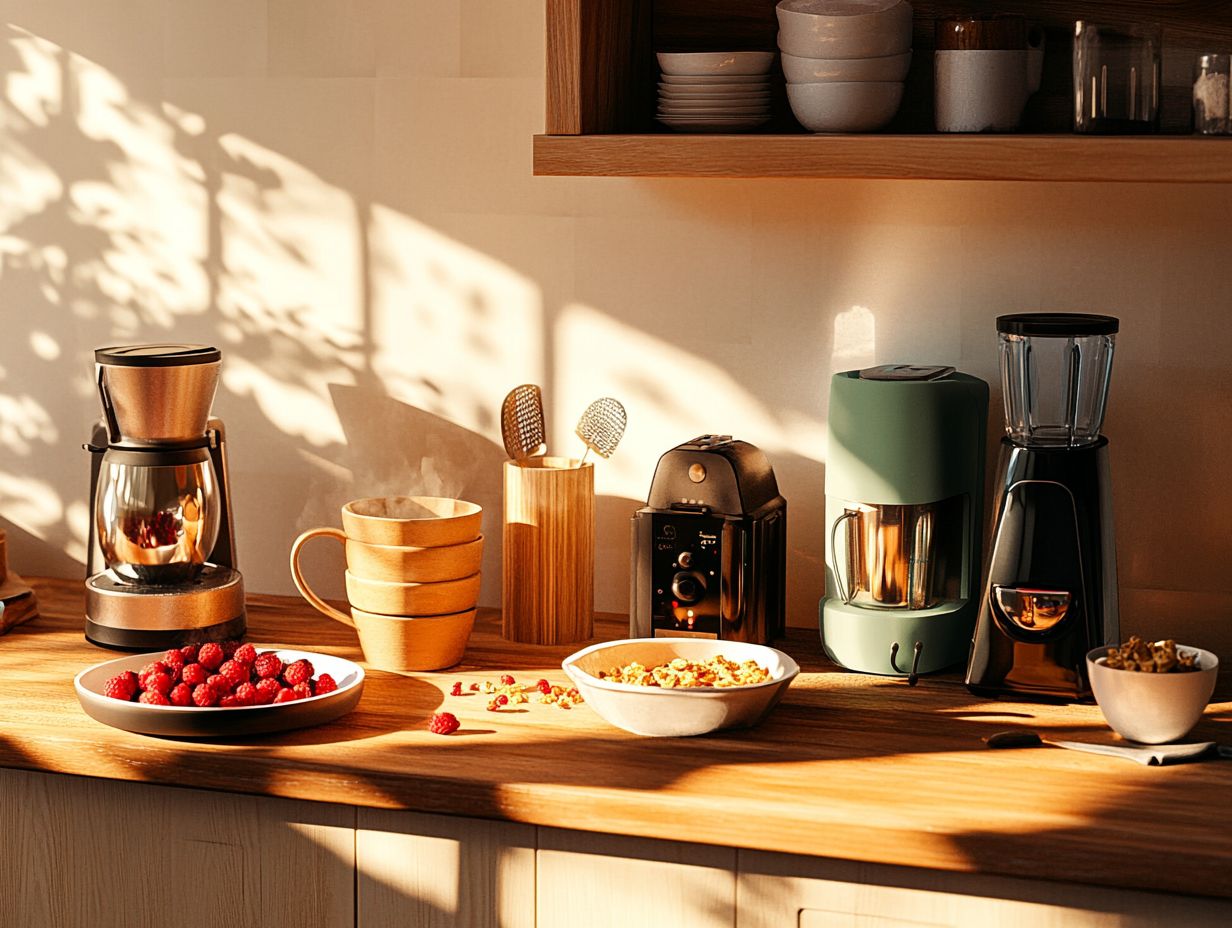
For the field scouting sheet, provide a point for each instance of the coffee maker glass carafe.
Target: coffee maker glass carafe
(157, 523)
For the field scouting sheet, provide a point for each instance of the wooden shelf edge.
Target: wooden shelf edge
(1063, 158)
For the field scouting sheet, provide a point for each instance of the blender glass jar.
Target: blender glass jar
(1055, 372)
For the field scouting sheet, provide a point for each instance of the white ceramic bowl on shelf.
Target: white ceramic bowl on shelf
(723, 91)
(713, 80)
(799, 70)
(715, 63)
(669, 713)
(847, 106)
(844, 28)
(1152, 708)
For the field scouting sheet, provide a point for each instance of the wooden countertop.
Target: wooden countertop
(849, 766)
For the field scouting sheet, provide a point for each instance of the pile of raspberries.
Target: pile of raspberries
(225, 675)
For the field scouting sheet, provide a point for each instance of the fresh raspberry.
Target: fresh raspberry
(229, 702)
(234, 671)
(326, 684)
(267, 689)
(160, 683)
(268, 666)
(302, 690)
(211, 655)
(174, 658)
(299, 672)
(189, 653)
(246, 693)
(220, 684)
(204, 695)
(180, 695)
(195, 674)
(457, 690)
(229, 647)
(502, 700)
(285, 695)
(507, 680)
(121, 686)
(444, 723)
(153, 698)
(245, 654)
(544, 687)
(151, 668)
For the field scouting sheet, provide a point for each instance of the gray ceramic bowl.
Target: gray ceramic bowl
(196, 722)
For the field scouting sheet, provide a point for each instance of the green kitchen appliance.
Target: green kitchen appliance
(904, 517)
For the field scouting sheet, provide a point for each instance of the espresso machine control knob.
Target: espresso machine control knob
(685, 560)
(688, 586)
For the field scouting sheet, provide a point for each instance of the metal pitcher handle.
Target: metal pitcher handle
(838, 575)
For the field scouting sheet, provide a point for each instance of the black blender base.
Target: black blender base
(130, 639)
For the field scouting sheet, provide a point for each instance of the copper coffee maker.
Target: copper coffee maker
(162, 522)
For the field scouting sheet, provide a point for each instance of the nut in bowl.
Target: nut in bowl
(691, 707)
(1153, 707)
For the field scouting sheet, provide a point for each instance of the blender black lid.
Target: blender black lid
(156, 355)
(1065, 325)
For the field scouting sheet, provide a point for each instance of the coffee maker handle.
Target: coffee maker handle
(113, 426)
(731, 599)
(302, 585)
(838, 574)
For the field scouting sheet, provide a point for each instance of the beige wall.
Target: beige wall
(339, 195)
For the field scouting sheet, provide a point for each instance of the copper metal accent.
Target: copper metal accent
(522, 428)
(216, 596)
(890, 552)
(1031, 609)
(153, 405)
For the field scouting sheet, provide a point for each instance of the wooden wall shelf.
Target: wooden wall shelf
(1156, 159)
(601, 75)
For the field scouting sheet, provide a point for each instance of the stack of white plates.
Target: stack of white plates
(714, 91)
(845, 61)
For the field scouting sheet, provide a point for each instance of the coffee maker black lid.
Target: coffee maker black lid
(156, 355)
(1063, 325)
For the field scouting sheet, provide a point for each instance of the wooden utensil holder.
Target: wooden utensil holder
(548, 555)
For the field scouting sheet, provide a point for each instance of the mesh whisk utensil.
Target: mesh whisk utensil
(601, 426)
(522, 428)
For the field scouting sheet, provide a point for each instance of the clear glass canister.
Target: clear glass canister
(1212, 101)
(1116, 78)
(1055, 372)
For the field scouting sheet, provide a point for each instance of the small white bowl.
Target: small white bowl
(799, 70)
(846, 106)
(1152, 708)
(671, 713)
(844, 28)
(713, 63)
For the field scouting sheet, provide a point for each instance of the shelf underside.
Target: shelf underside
(1140, 159)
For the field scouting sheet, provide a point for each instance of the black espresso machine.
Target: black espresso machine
(709, 553)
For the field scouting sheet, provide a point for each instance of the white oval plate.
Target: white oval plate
(726, 112)
(712, 80)
(709, 63)
(217, 722)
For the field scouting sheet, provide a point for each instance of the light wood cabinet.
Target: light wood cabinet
(438, 871)
(89, 853)
(96, 853)
(785, 891)
(608, 881)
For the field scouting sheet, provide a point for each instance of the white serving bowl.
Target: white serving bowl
(799, 70)
(713, 80)
(844, 28)
(670, 713)
(1152, 708)
(715, 63)
(847, 106)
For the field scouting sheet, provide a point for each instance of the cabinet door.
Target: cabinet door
(440, 871)
(605, 881)
(782, 891)
(90, 853)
